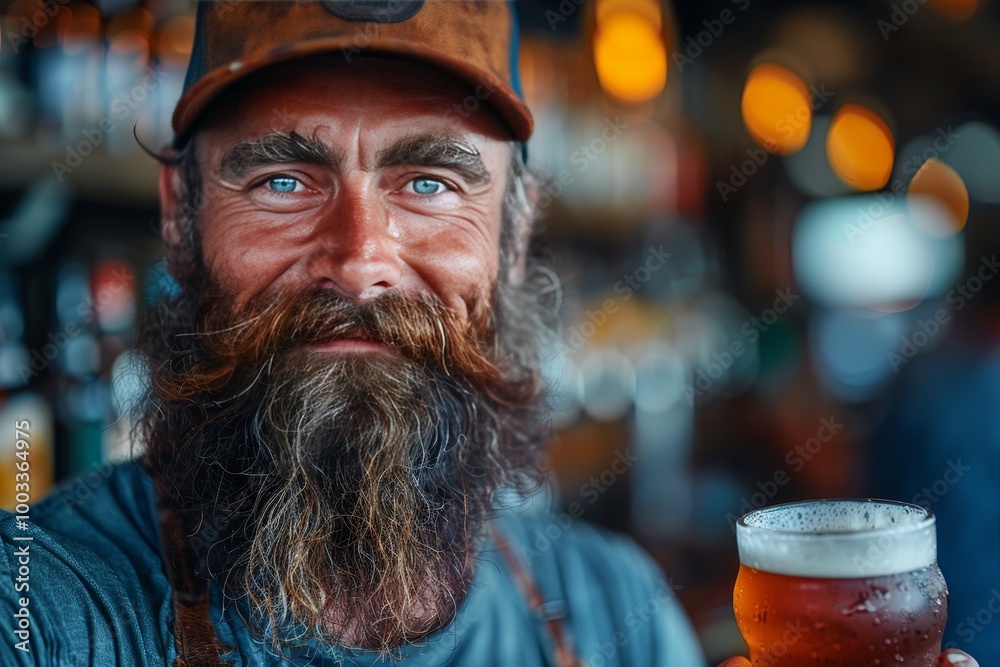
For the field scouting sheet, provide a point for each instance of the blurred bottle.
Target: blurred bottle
(20, 408)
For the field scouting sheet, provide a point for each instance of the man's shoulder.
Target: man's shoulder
(558, 540)
(108, 505)
(85, 562)
(615, 598)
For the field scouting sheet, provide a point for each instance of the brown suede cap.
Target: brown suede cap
(475, 41)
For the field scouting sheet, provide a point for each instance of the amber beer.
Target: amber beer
(841, 583)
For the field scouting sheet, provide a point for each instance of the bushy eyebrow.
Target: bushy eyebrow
(416, 151)
(275, 148)
(431, 150)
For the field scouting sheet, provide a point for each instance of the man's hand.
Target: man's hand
(950, 658)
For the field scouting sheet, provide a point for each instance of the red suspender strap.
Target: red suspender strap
(564, 654)
(194, 632)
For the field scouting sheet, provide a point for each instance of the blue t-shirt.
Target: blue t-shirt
(96, 593)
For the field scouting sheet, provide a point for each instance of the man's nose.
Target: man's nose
(357, 252)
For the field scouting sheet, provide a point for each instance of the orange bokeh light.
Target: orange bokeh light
(647, 9)
(630, 57)
(176, 38)
(82, 30)
(776, 108)
(135, 18)
(938, 182)
(955, 10)
(860, 148)
(130, 43)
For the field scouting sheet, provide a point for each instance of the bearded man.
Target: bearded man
(346, 386)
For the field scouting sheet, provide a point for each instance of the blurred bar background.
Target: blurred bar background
(775, 225)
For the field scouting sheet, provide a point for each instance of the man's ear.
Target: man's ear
(173, 216)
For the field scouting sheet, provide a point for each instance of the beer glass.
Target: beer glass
(842, 583)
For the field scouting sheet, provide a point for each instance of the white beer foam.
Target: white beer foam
(838, 539)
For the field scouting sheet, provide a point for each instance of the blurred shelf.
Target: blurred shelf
(128, 178)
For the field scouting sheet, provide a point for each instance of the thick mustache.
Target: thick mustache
(334, 318)
(420, 327)
(417, 326)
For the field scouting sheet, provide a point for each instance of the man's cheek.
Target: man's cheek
(251, 273)
(470, 284)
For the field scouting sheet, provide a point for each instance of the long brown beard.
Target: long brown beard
(339, 497)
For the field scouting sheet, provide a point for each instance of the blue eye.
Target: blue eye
(282, 184)
(427, 186)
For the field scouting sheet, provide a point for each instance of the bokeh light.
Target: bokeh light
(630, 57)
(824, 40)
(608, 384)
(850, 350)
(860, 147)
(865, 251)
(176, 38)
(81, 31)
(955, 10)
(975, 155)
(776, 108)
(938, 184)
(136, 18)
(131, 42)
(649, 10)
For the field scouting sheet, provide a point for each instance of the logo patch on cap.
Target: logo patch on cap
(379, 11)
